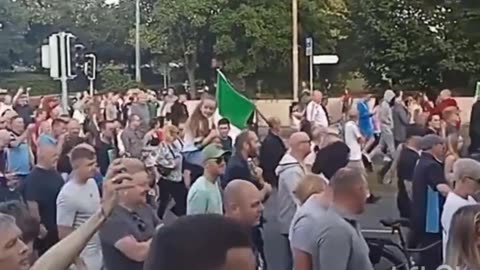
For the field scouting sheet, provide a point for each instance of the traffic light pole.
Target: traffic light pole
(91, 87)
(91, 70)
(64, 71)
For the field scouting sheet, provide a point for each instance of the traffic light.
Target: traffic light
(77, 58)
(90, 67)
(53, 56)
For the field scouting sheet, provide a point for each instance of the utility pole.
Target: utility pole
(295, 48)
(138, 75)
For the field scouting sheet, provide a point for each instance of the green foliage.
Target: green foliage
(114, 79)
(39, 83)
(415, 43)
(424, 44)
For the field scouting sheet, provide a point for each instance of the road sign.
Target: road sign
(327, 59)
(309, 46)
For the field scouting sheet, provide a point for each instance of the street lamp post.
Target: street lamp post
(295, 48)
(138, 75)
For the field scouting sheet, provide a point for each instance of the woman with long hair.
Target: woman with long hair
(452, 155)
(169, 164)
(463, 251)
(318, 135)
(200, 131)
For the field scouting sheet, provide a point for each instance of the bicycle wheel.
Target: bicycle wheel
(384, 258)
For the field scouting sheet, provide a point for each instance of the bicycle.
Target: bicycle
(383, 248)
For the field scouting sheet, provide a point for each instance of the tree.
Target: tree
(414, 43)
(178, 29)
(13, 28)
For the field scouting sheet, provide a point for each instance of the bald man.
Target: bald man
(354, 141)
(42, 186)
(290, 171)
(243, 202)
(315, 113)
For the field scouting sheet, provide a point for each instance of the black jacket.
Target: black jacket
(271, 152)
(474, 131)
(179, 113)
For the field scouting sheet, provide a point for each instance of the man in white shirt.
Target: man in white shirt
(78, 200)
(354, 141)
(466, 174)
(315, 113)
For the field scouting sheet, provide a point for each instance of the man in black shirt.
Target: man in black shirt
(41, 189)
(223, 130)
(407, 160)
(22, 107)
(240, 166)
(105, 146)
(179, 111)
(428, 195)
(72, 139)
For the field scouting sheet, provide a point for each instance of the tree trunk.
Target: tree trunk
(191, 81)
(190, 68)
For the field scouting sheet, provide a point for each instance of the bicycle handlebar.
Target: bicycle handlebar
(419, 250)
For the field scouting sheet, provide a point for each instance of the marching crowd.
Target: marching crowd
(90, 188)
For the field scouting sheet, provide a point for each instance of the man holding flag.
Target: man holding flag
(238, 109)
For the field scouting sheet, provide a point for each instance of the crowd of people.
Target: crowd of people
(92, 187)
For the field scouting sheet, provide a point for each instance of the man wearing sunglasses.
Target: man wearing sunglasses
(204, 197)
(466, 174)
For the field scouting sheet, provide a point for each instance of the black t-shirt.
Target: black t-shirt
(42, 186)
(25, 112)
(7, 195)
(238, 168)
(227, 143)
(331, 158)
(427, 202)
(104, 152)
(64, 165)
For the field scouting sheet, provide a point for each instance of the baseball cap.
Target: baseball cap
(466, 168)
(415, 131)
(213, 151)
(429, 141)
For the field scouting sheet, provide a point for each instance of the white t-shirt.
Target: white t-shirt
(316, 114)
(76, 203)
(452, 204)
(352, 134)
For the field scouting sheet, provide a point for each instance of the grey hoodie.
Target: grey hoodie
(385, 112)
(289, 172)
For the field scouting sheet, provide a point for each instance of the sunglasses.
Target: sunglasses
(218, 160)
(141, 225)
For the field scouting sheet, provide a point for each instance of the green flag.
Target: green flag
(231, 104)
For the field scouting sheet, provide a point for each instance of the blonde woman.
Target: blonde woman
(311, 184)
(169, 164)
(318, 135)
(463, 252)
(200, 131)
(452, 155)
(314, 195)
